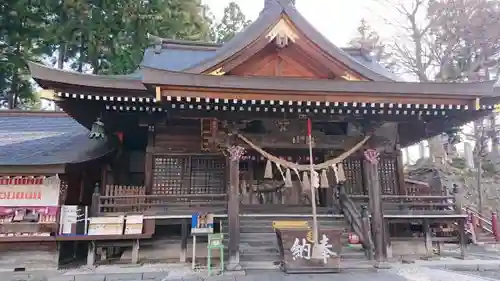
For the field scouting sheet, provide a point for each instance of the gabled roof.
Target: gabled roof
(45, 138)
(269, 17)
(179, 55)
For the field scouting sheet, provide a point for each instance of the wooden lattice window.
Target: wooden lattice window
(208, 175)
(168, 175)
(353, 168)
(387, 174)
(189, 174)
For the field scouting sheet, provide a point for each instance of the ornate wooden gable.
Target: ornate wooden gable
(284, 50)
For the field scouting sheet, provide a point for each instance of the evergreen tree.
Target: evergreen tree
(232, 22)
(101, 36)
(22, 22)
(109, 36)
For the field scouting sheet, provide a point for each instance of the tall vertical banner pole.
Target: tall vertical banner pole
(313, 189)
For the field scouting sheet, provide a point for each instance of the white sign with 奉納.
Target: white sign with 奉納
(44, 194)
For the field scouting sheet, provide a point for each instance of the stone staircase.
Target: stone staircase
(258, 243)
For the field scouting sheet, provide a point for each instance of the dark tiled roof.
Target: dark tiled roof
(175, 59)
(375, 66)
(46, 140)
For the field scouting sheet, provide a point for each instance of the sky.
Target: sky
(335, 19)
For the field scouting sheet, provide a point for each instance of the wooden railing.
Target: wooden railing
(132, 199)
(358, 219)
(479, 222)
(413, 204)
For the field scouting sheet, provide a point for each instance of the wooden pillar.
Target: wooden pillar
(428, 238)
(91, 253)
(95, 205)
(184, 240)
(135, 251)
(372, 180)
(400, 171)
(104, 177)
(233, 207)
(367, 231)
(330, 191)
(462, 232)
(148, 161)
(459, 203)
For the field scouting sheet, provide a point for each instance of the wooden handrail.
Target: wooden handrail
(163, 196)
(353, 216)
(406, 197)
(486, 224)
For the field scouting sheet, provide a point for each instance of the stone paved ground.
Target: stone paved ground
(398, 272)
(484, 264)
(349, 276)
(489, 275)
(416, 273)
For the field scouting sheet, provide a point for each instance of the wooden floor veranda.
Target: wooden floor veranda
(183, 206)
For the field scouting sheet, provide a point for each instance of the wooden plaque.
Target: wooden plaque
(300, 255)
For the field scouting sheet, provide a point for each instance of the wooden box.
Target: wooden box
(106, 225)
(134, 224)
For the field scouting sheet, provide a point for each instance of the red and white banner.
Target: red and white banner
(17, 192)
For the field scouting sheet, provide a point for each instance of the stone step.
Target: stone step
(260, 265)
(266, 226)
(269, 236)
(269, 221)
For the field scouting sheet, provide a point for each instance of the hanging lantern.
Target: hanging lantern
(97, 131)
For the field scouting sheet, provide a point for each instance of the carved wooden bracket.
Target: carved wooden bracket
(236, 152)
(372, 156)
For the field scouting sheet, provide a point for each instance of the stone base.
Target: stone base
(235, 273)
(382, 265)
(430, 258)
(234, 263)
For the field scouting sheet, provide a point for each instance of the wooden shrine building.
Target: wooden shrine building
(47, 154)
(223, 129)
